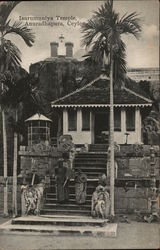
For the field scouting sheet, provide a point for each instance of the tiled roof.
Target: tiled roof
(97, 93)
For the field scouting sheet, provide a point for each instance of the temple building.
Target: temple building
(86, 113)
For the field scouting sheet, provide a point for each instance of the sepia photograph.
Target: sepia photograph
(79, 125)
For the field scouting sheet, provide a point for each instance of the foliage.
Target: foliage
(105, 30)
(21, 92)
(9, 53)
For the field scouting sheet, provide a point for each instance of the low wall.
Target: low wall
(132, 186)
(132, 200)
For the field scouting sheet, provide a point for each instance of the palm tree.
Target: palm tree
(106, 27)
(10, 59)
(5, 9)
(18, 94)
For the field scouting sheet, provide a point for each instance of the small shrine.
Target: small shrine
(38, 129)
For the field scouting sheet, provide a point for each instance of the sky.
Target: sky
(64, 17)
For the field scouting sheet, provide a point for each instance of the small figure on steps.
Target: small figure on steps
(80, 187)
(62, 180)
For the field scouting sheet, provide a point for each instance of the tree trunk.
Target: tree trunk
(111, 136)
(5, 163)
(5, 159)
(14, 194)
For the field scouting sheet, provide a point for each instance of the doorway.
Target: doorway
(101, 128)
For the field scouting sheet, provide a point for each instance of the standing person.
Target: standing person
(80, 187)
(62, 180)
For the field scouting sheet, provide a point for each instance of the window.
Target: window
(72, 120)
(130, 119)
(117, 119)
(85, 120)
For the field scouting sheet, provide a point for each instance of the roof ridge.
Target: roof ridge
(76, 91)
(136, 94)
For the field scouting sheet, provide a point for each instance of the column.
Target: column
(65, 121)
(92, 118)
(138, 124)
(123, 123)
(79, 120)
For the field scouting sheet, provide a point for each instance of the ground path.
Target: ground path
(135, 235)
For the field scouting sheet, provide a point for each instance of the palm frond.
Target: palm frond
(5, 9)
(22, 30)
(105, 25)
(130, 24)
(10, 55)
(105, 9)
(120, 64)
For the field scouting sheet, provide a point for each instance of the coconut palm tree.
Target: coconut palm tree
(10, 59)
(107, 28)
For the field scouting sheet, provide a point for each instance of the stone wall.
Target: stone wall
(136, 166)
(39, 159)
(132, 186)
(132, 200)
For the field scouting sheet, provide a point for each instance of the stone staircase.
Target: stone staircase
(93, 164)
(51, 206)
(70, 218)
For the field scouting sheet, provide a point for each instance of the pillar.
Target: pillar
(138, 124)
(79, 120)
(65, 121)
(123, 124)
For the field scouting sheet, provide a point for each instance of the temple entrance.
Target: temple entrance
(101, 128)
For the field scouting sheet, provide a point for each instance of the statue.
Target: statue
(32, 197)
(100, 203)
(151, 129)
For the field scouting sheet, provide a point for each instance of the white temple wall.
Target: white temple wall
(82, 137)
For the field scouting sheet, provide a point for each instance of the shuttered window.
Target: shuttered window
(85, 120)
(117, 119)
(130, 119)
(72, 120)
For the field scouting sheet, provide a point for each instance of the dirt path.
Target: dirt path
(130, 236)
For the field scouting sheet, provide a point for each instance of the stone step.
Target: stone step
(94, 174)
(72, 192)
(71, 186)
(72, 181)
(90, 169)
(63, 220)
(89, 164)
(97, 150)
(101, 229)
(71, 196)
(91, 160)
(65, 212)
(67, 206)
(99, 145)
(71, 201)
(92, 155)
